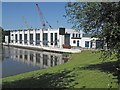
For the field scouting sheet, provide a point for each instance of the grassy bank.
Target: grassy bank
(84, 70)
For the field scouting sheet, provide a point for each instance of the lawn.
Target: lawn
(83, 70)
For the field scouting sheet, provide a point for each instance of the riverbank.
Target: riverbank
(84, 70)
(49, 49)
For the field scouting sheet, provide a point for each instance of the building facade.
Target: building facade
(54, 38)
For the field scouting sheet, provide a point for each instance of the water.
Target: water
(17, 60)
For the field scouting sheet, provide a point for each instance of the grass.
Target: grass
(84, 70)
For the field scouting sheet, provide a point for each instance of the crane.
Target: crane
(25, 22)
(43, 21)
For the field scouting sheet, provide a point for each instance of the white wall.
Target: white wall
(86, 39)
(59, 37)
(7, 39)
(76, 38)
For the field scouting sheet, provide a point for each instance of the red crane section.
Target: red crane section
(43, 21)
(41, 17)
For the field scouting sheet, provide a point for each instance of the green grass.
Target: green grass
(84, 70)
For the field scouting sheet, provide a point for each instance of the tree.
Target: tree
(100, 19)
(1, 35)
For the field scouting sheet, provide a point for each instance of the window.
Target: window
(79, 35)
(76, 35)
(55, 38)
(73, 35)
(37, 39)
(45, 39)
(87, 44)
(16, 38)
(74, 41)
(20, 38)
(31, 38)
(51, 35)
(25, 38)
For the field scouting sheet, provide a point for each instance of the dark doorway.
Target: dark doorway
(67, 39)
(77, 43)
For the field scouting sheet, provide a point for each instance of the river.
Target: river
(18, 60)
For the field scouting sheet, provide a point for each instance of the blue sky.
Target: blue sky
(12, 13)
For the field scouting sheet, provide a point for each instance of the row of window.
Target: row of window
(75, 35)
(86, 43)
(45, 38)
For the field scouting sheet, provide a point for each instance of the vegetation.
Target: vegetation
(101, 19)
(1, 35)
(84, 70)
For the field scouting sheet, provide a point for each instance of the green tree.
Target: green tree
(99, 19)
(1, 35)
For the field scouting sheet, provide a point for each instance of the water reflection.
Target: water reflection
(33, 59)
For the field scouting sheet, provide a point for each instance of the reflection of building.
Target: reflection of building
(39, 58)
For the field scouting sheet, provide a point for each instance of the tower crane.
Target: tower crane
(43, 21)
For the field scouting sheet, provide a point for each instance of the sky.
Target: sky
(12, 13)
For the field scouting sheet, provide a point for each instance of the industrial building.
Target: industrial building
(51, 38)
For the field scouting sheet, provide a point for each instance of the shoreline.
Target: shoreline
(49, 49)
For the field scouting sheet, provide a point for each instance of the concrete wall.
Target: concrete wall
(88, 39)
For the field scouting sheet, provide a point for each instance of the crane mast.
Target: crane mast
(43, 21)
(41, 17)
(25, 22)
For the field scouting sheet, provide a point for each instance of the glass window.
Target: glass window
(37, 38)
(31, 38)
(20, 38)
(45, 39)
(79, 35)
(16, 38)
(55, 38)
(76, 35)
(73, 35)
(74, 41)
(25, 38)
(51, 35)
(86, 43)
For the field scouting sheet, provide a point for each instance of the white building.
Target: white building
(52, 38)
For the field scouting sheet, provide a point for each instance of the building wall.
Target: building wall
(28, 32)
(76, 40)
(87, 39)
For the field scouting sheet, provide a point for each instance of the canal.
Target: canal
(17, 60)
